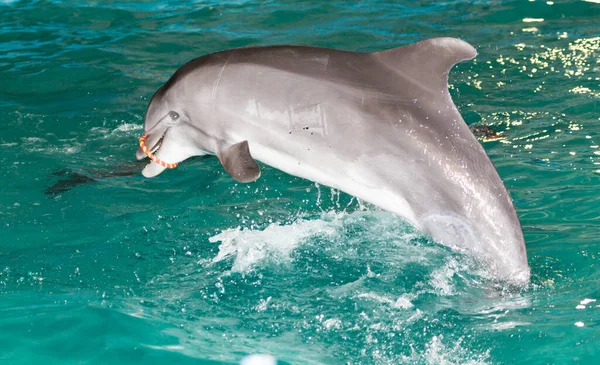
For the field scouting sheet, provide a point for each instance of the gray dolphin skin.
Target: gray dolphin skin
(380, 126)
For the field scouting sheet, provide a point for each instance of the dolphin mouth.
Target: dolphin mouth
(140, 154)
(158, 143)
(155, 167)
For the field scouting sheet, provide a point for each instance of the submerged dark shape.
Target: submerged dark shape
(69, 179)
(72, 178)
(485, 132)
(380, 126)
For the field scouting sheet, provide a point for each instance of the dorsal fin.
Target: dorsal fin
(427, 62)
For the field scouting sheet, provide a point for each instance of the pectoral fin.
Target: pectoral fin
(238, 162)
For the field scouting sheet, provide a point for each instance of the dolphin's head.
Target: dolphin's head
(169, 133)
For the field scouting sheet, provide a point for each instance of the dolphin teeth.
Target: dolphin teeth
(157, 145)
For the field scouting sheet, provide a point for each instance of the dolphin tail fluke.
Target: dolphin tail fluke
(427, 62)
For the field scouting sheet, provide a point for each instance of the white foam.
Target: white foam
(584, 303)
(441, 278)
(437, 353)
(69, 150)
(250, 247)
(258, 360)
(332, 324)
(34, 140)
(122, 129)
(403, 302)
(587, 301)
(501, 326)
(262, 305)
(376, 298)
(128, 127)
(170, 348)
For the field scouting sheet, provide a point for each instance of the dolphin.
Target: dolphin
(380, 126)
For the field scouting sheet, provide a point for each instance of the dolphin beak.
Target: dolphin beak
(154, 142)
(152, 169)
(139, 154)
(167, 147)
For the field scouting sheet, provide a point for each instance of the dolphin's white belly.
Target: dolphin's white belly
(351, 178)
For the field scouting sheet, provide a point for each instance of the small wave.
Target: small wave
(43, 146)
(501, 326)
(438, 353)
(128, 127)
(383, 234)
(122, 129)
(444, 278)
(403, 302)
(33, 140)
(250, 247)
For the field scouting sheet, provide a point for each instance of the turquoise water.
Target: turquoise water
(193, 268)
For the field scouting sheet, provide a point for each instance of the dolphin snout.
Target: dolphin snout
(139, 154)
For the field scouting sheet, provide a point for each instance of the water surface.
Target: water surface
(193, 268)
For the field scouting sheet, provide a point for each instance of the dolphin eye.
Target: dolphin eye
(174, 115)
